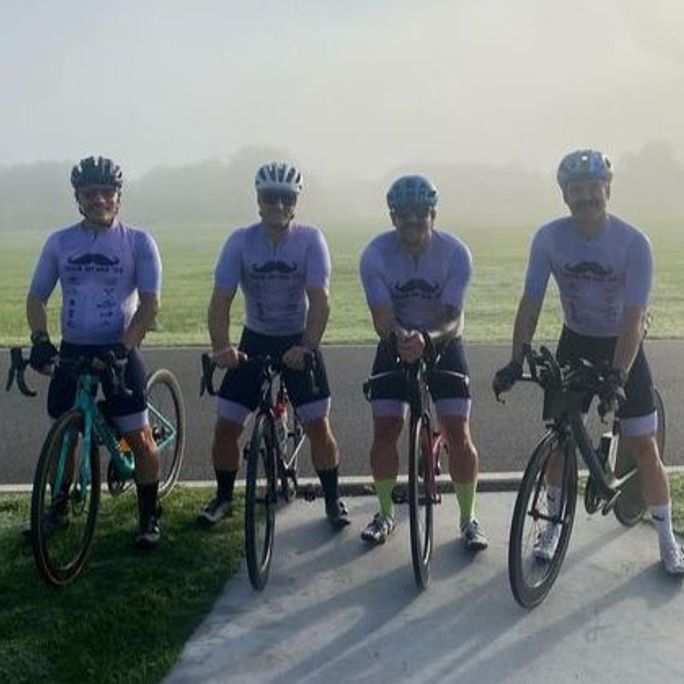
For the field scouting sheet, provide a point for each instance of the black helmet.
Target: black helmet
(410, 191)
(100, 171)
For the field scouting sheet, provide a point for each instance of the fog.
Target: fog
(484, 95)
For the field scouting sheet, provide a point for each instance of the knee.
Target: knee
(318, 431)
(227, 430)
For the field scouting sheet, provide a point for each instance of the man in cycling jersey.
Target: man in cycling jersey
(415, 279)
(283, 269)
(603, 268)
(110, 275)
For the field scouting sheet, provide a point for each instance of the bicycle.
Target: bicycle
(612, 484)
(67, 481)
(272, 455)
(425, 443)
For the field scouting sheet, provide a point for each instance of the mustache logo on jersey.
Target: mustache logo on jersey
(588, 267)
(274, 267)
(97, 259)
(417, 284)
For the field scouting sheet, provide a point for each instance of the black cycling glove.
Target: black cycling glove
(43, 352)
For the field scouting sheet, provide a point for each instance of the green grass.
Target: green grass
(189, 256)
(127, 617)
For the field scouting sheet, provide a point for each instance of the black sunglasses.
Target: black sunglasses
(272, 197)
(418, 213)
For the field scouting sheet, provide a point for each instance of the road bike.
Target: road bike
(272, 455)
(67, 481)
(541, 524)
(425, 444)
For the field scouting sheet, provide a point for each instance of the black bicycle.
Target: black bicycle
(542, 520)
(272, 454)
(425, 443)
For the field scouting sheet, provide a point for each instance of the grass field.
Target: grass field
(127, 617)
(189, 256)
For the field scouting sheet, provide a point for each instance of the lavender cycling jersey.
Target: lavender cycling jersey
(597, 277)
(417, 289)
(274, 278)
(101, 274)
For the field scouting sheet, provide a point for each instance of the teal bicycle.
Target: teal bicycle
(67, 480)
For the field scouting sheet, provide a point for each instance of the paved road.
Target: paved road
(336, 612)
(504, 434)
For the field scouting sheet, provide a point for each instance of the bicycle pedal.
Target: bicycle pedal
(307, 493)
(399, 496)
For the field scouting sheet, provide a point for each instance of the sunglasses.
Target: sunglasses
(416, 213)
(272, 197)
(90, 193)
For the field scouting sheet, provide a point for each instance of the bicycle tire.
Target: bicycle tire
(260, 502)
(531, 579)
(420, 478)
(61, 548)
(630, 507)
(167, 418)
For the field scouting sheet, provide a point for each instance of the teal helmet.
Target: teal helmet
(584, 165)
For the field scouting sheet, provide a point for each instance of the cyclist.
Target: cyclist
(110, 276)
(415, 279)
(603, 268)
(283, 269)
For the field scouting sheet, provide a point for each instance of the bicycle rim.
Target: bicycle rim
(260, 503)
(64, 502)
(166, 414)
(630, 507)
(420, 484)
(531, 578)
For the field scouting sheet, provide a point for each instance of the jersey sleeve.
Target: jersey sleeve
(538, 267)
(47, 270)
(374, 284)
(639, 272)
(148, 267)
(318, 267)
(228, 270)
(458, 279)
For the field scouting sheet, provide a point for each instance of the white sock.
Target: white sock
(662, 519)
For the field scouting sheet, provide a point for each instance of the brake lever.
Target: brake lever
(16, 372)
(207, 379)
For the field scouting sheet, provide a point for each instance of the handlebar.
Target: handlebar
(83, 364)
(268, 364)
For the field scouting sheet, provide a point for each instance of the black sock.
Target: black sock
(225, 481)
(328, 480)
(147, 499)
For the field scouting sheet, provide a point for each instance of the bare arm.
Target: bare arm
(630, 337)
(218, 318)
(36, 313)
(525, 325)
(317, 316)
(143, 319)
(384, 321)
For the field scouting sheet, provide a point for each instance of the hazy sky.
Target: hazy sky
(349, 86)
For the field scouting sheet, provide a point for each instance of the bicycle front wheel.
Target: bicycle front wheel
(421, 484)
(630, 506)
(166, 414)
(65, 500)
(541, 525)
(260, 502)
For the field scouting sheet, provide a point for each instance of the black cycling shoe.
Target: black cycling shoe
(337, 514)
(149, 533)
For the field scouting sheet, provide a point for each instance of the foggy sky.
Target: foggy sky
(353, 88)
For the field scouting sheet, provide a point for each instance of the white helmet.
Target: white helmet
(279, 176)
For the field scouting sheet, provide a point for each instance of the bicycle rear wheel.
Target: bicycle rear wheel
(630, 507)
(260, 502)
(531, 575)
(421, 483)
(167, 419)
(65, 500)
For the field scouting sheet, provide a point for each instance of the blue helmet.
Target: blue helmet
(584, 165)
(412, 191)
(100, 171)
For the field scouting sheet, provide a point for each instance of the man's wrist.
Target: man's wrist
(39, 337)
